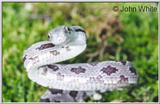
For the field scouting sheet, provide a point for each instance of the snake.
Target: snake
(70, 82)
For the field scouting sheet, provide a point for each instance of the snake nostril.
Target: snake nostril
(48, 37)
(69, 29)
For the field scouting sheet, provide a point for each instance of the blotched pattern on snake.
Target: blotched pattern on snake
(72, 82)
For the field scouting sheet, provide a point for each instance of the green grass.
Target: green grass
(129, 36)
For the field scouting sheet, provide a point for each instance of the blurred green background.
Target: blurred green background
(112, 35)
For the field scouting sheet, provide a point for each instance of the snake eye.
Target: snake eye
(48, 37)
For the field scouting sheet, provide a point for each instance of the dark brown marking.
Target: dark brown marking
(53, 67)
(133, 70)
(44, 46)
(56, 91)
(103, 33)
(109, 70)
(78, 70)
(123, 79)
(45, 100)
(73, 94)
(123, 62)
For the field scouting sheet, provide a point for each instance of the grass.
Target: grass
(111, 35)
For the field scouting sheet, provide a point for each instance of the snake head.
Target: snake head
(64, 34)
(58, 35)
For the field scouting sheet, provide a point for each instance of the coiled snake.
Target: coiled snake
(68, 80)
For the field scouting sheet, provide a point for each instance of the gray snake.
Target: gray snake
(66, 42)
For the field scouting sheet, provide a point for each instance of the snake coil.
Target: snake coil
(66, 42)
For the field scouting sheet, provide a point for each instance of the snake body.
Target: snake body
(66, 42)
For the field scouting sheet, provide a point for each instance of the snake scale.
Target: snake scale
(70, 82)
